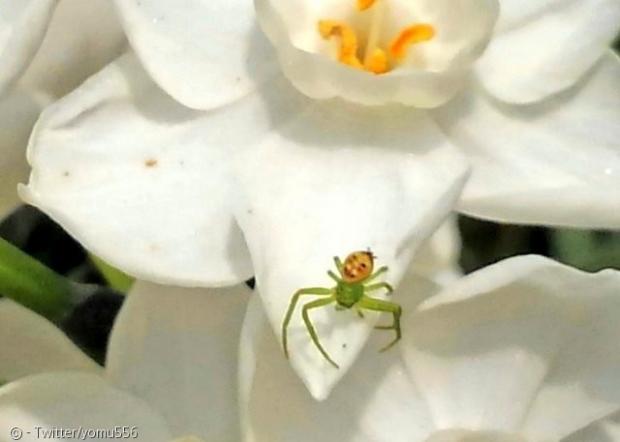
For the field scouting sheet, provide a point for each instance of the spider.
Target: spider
(350, 291)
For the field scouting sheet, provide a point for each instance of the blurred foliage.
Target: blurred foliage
(35, 234)
(90, 322)
(587, 250)
(115, 278)
(485, 243)
(89, 325)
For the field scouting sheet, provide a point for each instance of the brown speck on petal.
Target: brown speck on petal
(151, 162)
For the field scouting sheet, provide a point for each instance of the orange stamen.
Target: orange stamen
(348, 41)
(362, 5)
(377, 63)
(410, 36)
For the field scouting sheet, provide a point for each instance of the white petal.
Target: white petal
(479, 362)
(292, 28)
(30, 344)
(177, 349)
(375, 402)
(524, 331)
(438, 259)
(604, 430)
(142, 181)
(463, 30)
(554, 163)
(334, 180)
(584, 385)
(19, 110)
(22, 27)
(545, 46)
(518, 12)
(203, 53)
(81, 39)
(474, 436)
(80, 402)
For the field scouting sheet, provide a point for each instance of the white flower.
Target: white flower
(556, 161)
(165, 193)
(262, 180)
(520, 351)
(425, 47)
(47, 49)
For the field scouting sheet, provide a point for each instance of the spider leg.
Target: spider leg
(305, 315)
(380, 271)
(339, 265)
(379, 285)
(316, 291)
(333, 276)
(379, 305)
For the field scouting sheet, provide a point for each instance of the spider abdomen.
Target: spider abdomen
(358, 266)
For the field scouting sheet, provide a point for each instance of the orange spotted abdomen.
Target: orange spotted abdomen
(358, 266)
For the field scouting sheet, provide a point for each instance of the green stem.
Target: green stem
(33, 285)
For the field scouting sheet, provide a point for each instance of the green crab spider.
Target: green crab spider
(354, 282)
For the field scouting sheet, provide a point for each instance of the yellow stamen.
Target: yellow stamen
(410, 36)
(375, 59)
(348, 41)
(374, 32)
(362, 5)
(377, 63)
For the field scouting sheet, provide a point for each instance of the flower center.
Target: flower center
(372, 58)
